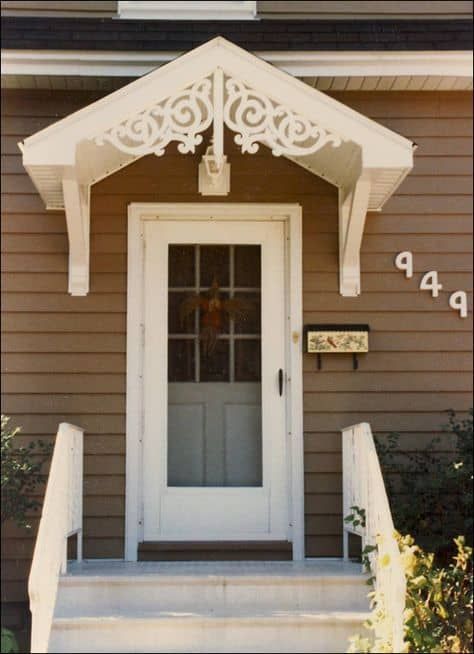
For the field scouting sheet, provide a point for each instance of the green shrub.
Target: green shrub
(439, 604)
(9, 644)
(20, 475)
(432, 498)
(438, 615)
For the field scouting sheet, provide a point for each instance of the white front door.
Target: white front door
(215, 459)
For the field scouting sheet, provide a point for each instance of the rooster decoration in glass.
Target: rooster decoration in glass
(214, 312)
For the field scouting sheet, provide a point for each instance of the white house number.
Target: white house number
(430, 282)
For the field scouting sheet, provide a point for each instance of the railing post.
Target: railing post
(61, 517)
(79, 545)
(345, 544)
(345, 486)
(80, 490)
(363, 486)
(63, 568)
(346, 481)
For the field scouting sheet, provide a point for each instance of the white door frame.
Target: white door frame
(138, 213)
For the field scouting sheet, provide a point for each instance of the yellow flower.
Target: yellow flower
(408, 557)
(408, 614)
(385, 561)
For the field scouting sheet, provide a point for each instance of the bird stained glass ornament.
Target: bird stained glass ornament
(213, 311)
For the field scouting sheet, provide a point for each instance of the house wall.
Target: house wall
(59, 8)
(369, 9)
(64, 357)
(270, 9)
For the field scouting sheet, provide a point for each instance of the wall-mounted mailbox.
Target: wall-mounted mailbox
(331, 339)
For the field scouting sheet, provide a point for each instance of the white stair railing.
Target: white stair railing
(61, 517)
(363, 487)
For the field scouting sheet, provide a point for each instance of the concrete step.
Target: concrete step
(110, 588)
(212, 631)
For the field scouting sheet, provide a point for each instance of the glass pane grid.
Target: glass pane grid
(197, 359)
(203, 289)
(232, 322)
(202, 268)
(219, 337)
(214, 366)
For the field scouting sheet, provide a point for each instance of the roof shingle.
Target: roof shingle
(24, 32)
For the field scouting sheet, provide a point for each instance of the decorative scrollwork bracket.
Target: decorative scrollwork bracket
(219, 100)
(257, 119)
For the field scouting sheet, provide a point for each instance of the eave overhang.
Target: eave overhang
(352, 70)
(218, 84)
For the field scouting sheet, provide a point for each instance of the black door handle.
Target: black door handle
(280, 382)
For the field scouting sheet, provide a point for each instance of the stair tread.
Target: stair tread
(106, 571)
(245, 614)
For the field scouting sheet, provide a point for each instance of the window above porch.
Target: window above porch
(210, 10)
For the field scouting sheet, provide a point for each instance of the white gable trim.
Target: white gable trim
(365, 160)
(442, 66)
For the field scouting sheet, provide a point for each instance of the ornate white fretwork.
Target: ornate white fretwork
(182, 117)
(219, 100)
(257, 119)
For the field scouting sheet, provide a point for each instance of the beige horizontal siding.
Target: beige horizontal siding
(265, 9)
(369, 9)
(64, 358)
(62, 8)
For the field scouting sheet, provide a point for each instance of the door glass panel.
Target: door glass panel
(181, 364)
(247, 265)
(247, 360)
(249, 322)
(181, 264)
(214, 365)
(214, 264)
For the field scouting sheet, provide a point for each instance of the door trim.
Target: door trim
(138, 213)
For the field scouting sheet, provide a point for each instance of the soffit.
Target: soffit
(326, 71)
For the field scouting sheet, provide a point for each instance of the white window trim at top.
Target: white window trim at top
(191, 10)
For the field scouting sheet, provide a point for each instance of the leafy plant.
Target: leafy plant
(438, 608)
(20, 475)
(379, 622)
(8, 642)
(431, 493)
(438, 615)
(434, 501)
(357, 517)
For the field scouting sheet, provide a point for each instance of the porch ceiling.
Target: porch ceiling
(214, 85)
